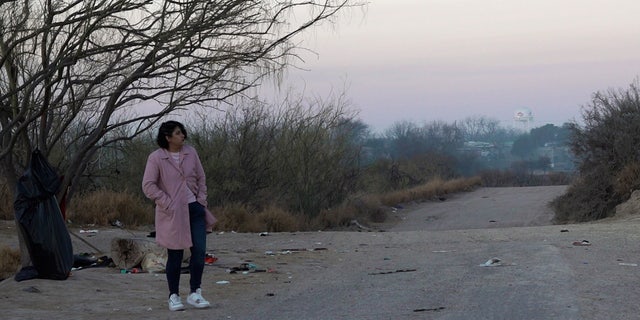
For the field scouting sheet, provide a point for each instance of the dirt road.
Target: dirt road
(483, 208)
(431, 265)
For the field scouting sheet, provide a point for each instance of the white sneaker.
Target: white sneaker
(195, 299)
(175, 303)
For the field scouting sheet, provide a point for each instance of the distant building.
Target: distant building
(479, 148)
(523, 119)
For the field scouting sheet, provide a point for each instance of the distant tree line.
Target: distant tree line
(308, 155)
(311, 155)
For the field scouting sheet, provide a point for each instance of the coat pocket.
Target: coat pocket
(166, 205)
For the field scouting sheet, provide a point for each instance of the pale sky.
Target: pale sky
(425, 60)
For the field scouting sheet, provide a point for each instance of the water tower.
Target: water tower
(523, 119)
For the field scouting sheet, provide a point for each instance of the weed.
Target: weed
(9, 262)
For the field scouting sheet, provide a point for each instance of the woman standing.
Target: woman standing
(174, 179)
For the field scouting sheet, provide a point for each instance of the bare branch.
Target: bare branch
(76, 67)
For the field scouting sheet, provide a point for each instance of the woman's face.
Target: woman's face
(176, 139)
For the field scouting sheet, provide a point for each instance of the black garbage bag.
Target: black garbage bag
(40, 220)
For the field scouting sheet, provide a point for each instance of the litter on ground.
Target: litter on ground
(582, 243)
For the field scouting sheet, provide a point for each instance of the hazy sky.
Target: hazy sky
(424, 60)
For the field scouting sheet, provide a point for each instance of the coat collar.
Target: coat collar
(165, 154)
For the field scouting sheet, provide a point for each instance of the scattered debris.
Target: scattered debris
(493, 262)
(210, 259)
(292, 250)
(89, 231)
(582, 243)
(564, 230)
(429, 309)
(154, 262)
(264, 234)
(87, 260)
(117, 223)
(132, 270)
(222, 282)
(246, 268)
(360, 226)
(628, 264)
(394, 271)
(32, 289)
(303, 249)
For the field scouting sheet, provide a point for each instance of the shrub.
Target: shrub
(103, 207)
(627, 180)
(606, 151)
(509, 178)
(274, 219)
(498, 178)
(333, 218)
(560, 178)
(584, 200)
(236, 217)
(369, 208)
(366, 209)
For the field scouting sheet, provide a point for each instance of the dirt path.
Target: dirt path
(483, 208)
(421, 274)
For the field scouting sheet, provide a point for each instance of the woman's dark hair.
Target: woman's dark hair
(166, 130)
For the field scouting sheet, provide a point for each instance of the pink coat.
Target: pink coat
(162, 182)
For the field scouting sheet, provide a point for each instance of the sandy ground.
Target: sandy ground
(428, 264)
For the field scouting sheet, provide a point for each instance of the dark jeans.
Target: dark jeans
(198, 251)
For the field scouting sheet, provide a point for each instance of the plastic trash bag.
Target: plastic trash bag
(40, 220)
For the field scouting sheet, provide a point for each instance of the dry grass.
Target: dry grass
(236, 217)
(365, 209)
(241, 218)
(627, 180)
(333, 218)
(432, 189)
(370, 208)
(274, 219)
(9, 262)
(104, 206)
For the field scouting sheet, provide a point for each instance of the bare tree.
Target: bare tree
(408, 139)
(77, 76)
(479, 128)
